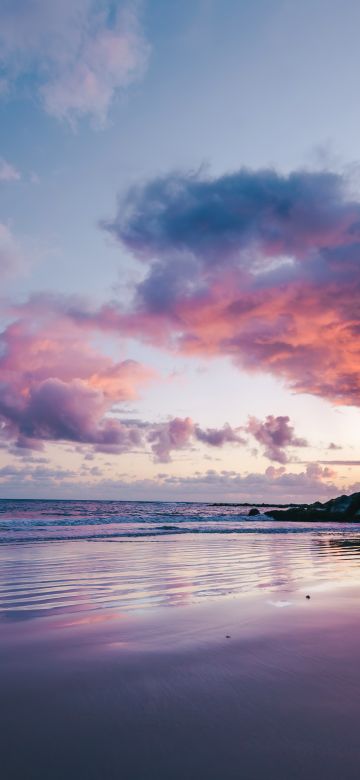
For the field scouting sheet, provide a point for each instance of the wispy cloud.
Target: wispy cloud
(77, 54)
(8, 172)
(11, 256)
(341, 462)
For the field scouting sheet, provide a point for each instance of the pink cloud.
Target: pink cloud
(173, 435)
(54, 385)
(315, 471)
(257, 266)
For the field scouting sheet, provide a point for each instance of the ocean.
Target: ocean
(50, 520)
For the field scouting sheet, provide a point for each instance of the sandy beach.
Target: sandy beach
(253, 684)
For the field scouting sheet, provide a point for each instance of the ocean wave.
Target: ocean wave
(163, 531)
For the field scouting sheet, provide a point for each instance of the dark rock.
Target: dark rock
(344, 509)
(307, 597)
(253, 512)
(349, 505)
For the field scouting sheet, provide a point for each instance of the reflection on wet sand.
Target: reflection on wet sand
(74, 577)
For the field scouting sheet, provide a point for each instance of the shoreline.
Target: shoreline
(281, 525)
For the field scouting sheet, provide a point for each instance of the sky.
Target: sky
(179, 249)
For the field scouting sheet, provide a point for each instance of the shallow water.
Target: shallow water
(61, 556)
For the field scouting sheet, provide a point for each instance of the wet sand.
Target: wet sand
(260, 684)
(166, 695)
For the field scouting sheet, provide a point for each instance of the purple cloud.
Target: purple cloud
(275, 434)
(173, 435)
(217, 220)
(54, 386)
(217, 437)
(178, 434)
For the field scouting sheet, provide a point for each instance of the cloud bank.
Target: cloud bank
(55, 386)
(272, 486)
